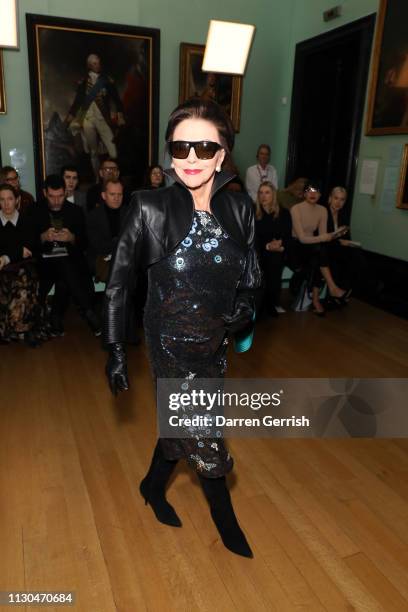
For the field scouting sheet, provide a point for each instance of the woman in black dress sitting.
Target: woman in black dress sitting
(347, 262)
(273, 233)
(19, 310)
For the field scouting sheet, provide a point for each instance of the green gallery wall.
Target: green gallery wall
(280, 24)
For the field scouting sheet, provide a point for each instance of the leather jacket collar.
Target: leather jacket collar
(220, 179)
(223, 206)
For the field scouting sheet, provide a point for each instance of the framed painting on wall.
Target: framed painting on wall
(223, 88)
(2, 87)
(402, 197)
(388, 93)
(94, 93)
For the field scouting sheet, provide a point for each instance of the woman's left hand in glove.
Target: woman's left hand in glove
(242, 316)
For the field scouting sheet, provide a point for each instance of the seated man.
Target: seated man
(109, 169)
(9, 175)
(103, 225)
(292, 194)
(72, 193)
(60, 230)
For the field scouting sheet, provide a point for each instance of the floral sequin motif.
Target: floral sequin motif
(202, 466)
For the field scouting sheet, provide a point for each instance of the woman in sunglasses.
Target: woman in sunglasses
(196, 240)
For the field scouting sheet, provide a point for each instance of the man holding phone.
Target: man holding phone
(60, 229)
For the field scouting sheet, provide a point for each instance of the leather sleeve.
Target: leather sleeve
(251, 279)
(117, 308)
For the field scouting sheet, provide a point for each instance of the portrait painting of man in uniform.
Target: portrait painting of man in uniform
(94, 93)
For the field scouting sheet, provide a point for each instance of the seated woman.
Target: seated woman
(347, 263)
(308, 249)
(155, 178)
(273, 228)
(19, 309)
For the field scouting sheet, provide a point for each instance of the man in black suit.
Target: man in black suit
(109, 170)
(103, 226)
(61, 233)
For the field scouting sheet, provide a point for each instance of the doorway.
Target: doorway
(329, 87)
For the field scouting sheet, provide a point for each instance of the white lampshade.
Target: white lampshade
(227, 47)
(8, 24)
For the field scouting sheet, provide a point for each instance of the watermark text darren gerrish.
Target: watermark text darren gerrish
(222, 421)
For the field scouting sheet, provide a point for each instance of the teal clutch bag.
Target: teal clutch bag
(243, 339)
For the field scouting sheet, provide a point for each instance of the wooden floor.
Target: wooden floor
(327, 519)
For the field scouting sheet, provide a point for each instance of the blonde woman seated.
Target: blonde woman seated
(309, 231)
(273, 228)
(348, 264)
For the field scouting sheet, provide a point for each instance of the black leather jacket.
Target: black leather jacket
(157, 221)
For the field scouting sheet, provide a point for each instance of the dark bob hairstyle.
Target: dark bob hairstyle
(7, 187)
(195, 108)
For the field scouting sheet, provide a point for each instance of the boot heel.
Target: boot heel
(164, 511)
(223, 515)
(143, 493)
(153, 487)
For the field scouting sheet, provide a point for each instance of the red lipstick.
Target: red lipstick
(191, 171)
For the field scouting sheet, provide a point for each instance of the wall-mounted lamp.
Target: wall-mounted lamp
(8, 24)
(227, 47)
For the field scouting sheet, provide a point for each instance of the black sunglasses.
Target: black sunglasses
(204, 149)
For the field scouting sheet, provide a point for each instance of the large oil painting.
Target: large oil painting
(94, 94)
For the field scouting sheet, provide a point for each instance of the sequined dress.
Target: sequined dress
(188, 292)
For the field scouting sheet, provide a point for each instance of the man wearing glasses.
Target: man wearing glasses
(108, 170)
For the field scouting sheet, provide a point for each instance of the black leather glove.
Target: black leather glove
(242, 316)
(116, 368)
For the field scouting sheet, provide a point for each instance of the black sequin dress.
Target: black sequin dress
(188, 292)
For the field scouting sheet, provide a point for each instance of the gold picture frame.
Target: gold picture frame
(402, 197)
(387, 111)
(3, 107)
(225, 89)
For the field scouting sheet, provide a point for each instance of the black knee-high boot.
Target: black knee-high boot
(153, 488)
(223, 515)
